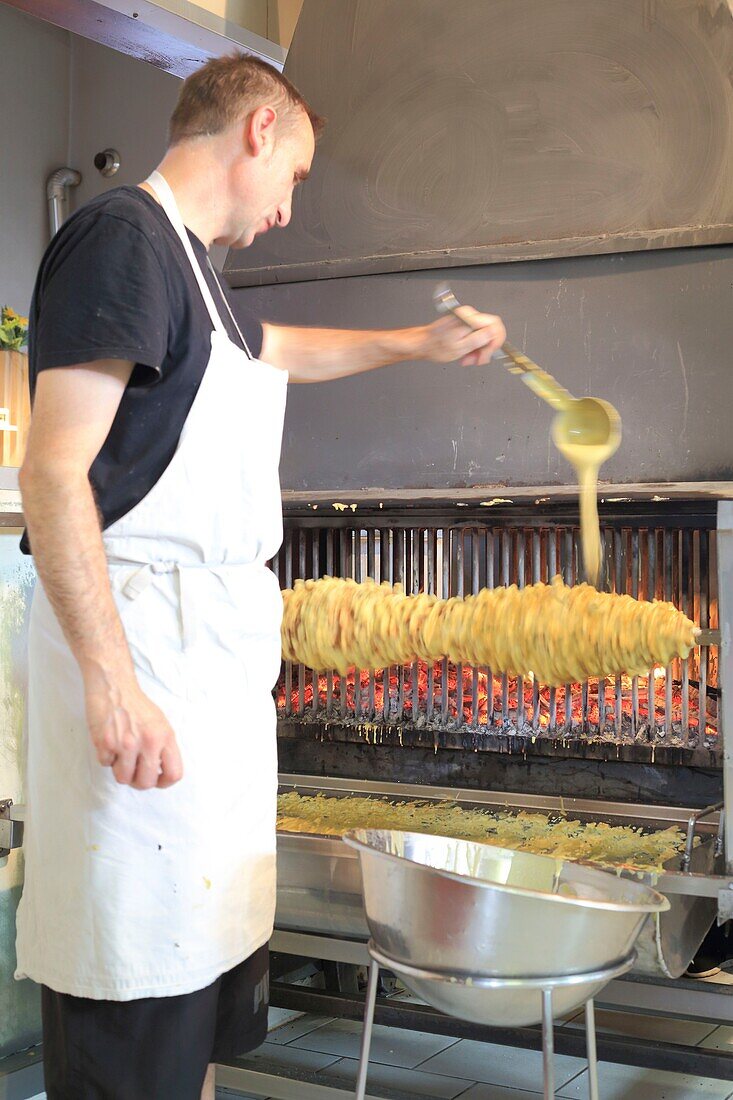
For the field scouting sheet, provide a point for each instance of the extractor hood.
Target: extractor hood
(173, 35)
(474, 132)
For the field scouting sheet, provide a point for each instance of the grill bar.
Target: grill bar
(315, 702)
(329, 571)
(288, 582)
(301, 668)
(723, 568)
(345, 570)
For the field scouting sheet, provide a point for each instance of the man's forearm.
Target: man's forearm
(322, 354)
(72, 566)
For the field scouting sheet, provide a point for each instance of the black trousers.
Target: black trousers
(155, 1048)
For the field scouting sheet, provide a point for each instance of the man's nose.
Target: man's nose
(284, 211)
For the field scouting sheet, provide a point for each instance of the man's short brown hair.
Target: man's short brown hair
(225, 90)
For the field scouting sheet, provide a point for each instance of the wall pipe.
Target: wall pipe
(57, 186)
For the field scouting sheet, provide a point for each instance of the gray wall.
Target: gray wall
(122, 103)
(652, 332)
(63, 100)
(34, 93)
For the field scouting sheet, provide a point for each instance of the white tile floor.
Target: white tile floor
(390, 1046)
(721, 1039)
(628, 1083)
(420, 1064)
(423, 1065)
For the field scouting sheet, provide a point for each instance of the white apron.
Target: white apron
(129, 893)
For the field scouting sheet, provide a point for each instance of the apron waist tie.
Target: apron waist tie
(142, 576)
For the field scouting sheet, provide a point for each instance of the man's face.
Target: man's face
(266, 188)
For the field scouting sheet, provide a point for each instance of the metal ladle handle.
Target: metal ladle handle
(538, 380)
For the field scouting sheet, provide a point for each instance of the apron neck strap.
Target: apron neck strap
(225, 300)
(165, 196)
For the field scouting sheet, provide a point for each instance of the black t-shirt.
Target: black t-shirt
(115, 283)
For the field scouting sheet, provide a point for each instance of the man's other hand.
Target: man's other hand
(133, 737)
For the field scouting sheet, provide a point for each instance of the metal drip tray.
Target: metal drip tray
(320, 884)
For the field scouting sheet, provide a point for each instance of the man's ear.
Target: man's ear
(259, 132)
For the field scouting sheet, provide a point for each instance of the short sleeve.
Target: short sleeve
(101, 295)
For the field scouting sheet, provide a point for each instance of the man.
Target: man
(151, 496)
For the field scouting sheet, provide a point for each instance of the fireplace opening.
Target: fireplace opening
(669, 554)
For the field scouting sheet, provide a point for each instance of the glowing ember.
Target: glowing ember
(415, 695)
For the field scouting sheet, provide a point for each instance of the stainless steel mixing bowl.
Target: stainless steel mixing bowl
(475, 910)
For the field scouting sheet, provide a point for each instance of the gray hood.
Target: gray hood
(468, 133)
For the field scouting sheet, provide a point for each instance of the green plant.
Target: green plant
(13, 329)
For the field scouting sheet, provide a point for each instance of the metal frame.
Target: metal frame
(651, 813)
(11, 828)
(174, 35)
(495, 496)
(656, 552)
(607, 778)
(675, 998)
(278, 1085)
(21, 1074)
(674, 880)
(662, 999)
(725, 658)
(691, 583)
(624, 1050)
(545, 985)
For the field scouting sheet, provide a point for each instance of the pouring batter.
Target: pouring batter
(586, 431)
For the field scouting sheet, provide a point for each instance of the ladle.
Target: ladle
(586, 430)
